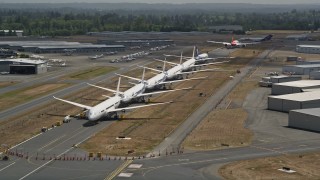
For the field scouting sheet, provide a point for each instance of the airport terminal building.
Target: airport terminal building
(23, 66)
(59, 47)
(310, 49)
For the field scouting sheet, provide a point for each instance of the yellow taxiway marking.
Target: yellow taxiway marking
(118, 170)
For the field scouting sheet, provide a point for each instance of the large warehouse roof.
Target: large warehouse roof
(309, 46)
(27, 61)
(311, 111)
(55, 44)
(304, 96)
(304, 65)
(301, 83)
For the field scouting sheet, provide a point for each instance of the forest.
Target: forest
(55, 22)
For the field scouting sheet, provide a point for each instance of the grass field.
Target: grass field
(6, 84)
(305, 165)
(279, 32)
(13, 98)
(91, 73)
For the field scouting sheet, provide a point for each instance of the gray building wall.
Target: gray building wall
(299, 70)
(280, 89)
(315, 75)
(285, 79)
(284, 105)
(304, 121)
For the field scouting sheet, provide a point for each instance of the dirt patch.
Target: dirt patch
(220, 129)
(6, 84)
(305, 165)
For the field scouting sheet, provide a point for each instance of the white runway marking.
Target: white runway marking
(135, 166)
(7, 166)
(125, 175)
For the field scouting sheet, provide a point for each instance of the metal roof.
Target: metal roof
(308, 46)
(311, 111)
(21, 60)
(300, 83)
(56, 44)
(304, 96)
(304, 65)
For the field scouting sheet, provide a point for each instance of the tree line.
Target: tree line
(56, 23)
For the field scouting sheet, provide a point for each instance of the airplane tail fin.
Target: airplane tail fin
(143, 74)
(118, 87)
(197, 52)
(267, 38)
(181, 58)
(164, 66)
(193, 53)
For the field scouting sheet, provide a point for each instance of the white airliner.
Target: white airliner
(137, 91)
(158, 81)
(233, 43)
(199, 57)
(185, 67)
(107, 107)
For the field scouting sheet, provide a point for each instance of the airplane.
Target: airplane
(257, 39)
(233, 43)
(137, 91)
(199, 57)
(96, 56)
(185, 67)
(107, 107)
(158, 81)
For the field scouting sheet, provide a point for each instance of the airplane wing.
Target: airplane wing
(73, 103)
(204, 70)
(217, 42)
(166, 61)
(151, 69)
(199, 65)
(134, 107)
(160, 92)
(169, 82)
(107, 89)
(252, 43)
(129, 77)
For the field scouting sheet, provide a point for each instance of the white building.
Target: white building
(285, 103)
(311, 49)
(294, 86)
(307, 119)
(300, 69)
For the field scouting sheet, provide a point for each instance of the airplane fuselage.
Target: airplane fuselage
(154, 81)
(101, 110)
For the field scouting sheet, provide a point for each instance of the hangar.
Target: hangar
(302, 62)
(315, 75)
(58, 47)
(304, 69)
(307, 119)
(294, 86)
(23, 66)
(284, 78)
(311, 49)
(285, 103)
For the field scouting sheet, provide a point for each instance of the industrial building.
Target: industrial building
(300, 69)
(285, 103)
(5, 53)
(303, 62)
(59, 47)
(298, 37)
(226, 28)
(306, 119)
(315, 75)
(294, 86)
(23, 66)
(311, 49)
(138, 42)
(268, 81)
